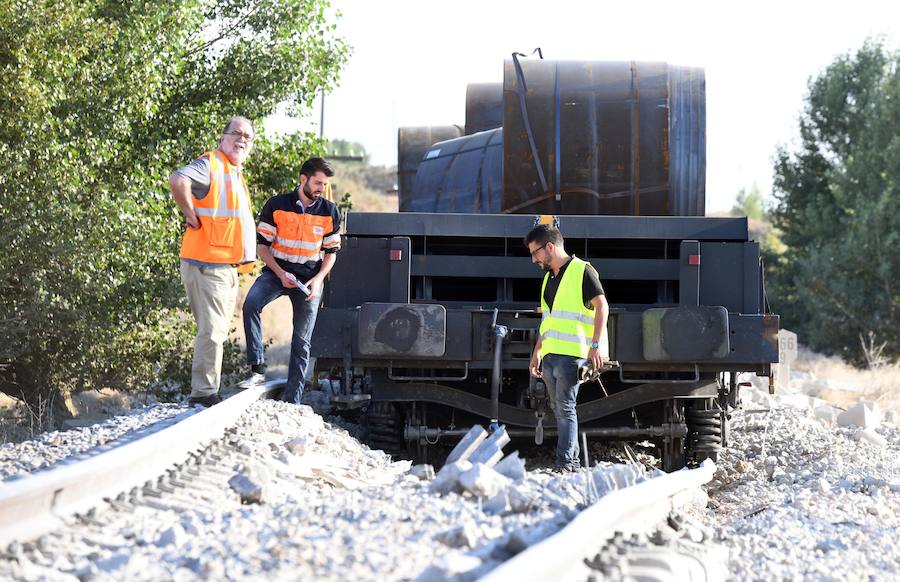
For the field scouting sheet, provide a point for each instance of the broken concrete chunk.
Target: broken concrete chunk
(869, 436)
(487, 454)
(297, 445)
(497, 504)
(511, 466)
(424, 472)
(826, 414)
(521, 502)
(447, 479)
(487, 451)
(467, 445)
(483, 481)
(863, 415)
(463, 536)
(249, 488)
(174, 536)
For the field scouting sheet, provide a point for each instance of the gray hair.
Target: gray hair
(236, 119)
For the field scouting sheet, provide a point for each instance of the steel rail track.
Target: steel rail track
(38, 503)
(633, 509)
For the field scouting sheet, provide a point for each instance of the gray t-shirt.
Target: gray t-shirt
(197, 172)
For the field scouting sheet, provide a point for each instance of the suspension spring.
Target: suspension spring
(704, 430)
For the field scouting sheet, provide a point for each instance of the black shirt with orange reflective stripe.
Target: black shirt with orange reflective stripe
(274, 212)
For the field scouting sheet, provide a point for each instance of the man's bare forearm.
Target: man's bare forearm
(180, 188)
(327, 263)
(601, 315)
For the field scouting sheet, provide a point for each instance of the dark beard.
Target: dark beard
(307, 192)
(546, 267)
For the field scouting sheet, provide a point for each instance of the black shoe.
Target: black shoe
(204, 401)
(570, 468)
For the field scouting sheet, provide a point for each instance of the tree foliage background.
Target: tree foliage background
(838, 209)
(99, 101)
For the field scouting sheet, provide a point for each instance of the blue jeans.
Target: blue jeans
(560, 375)
(268, 288)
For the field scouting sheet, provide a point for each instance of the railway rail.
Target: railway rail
(170, 470)
(34, 505)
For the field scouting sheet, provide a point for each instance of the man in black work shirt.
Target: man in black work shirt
(573, 332)
(298, 238)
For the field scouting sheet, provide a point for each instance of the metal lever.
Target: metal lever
(587, 373)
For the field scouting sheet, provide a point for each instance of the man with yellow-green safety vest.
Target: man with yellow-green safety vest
(572, 333)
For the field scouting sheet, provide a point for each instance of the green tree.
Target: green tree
(839, 208)
(750, 204)
(99, 101)
(344, 148)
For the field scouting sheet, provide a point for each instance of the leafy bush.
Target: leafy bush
(99, 101)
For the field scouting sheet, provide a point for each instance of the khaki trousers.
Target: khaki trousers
(212, 294)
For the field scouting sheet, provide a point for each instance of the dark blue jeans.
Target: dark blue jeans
(560, 375)
(268, 288)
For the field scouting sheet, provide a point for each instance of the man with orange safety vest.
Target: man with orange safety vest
(572, 333)
(220, 236)
(298, 238)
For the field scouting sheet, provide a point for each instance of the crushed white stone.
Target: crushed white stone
(798, 496)
(333, 509)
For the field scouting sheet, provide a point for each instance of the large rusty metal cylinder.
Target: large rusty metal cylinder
(412, 143)
(461, 175)
(577, 137)
(621, 138)
(484, 107)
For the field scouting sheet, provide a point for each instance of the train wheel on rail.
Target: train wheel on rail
(672, 449)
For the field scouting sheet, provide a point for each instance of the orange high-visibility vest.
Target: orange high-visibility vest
(219, 238)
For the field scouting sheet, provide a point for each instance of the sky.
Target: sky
(412, 60)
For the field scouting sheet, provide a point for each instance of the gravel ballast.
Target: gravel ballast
(798, 495)
(19, 459)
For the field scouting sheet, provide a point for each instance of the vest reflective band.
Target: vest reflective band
(219, 238)
(568, 329)
(300, 237)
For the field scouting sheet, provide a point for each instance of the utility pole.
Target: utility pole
(322, 115)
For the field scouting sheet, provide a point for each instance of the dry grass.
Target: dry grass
(842, 384)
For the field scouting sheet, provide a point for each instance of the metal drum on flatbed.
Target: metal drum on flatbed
(621, 138)
(412, 142)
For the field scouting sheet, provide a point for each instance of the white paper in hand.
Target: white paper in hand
(294, 280)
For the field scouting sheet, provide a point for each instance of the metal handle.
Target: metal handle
(624, 380)
(424, 378)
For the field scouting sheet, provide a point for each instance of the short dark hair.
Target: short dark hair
(313, 165)
(543, 234)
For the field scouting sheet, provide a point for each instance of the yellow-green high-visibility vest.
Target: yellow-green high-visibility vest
(568, 328)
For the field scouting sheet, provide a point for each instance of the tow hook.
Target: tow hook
(539, 429)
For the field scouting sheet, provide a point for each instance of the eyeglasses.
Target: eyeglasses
(539, 248)
(240, 134)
